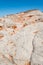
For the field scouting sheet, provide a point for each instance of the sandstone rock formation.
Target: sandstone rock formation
(16, 35)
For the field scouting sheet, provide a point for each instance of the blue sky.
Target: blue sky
(16, 6)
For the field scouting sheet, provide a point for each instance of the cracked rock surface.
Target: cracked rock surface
(37, 55)
(17, 32)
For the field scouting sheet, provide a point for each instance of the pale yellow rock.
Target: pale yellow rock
(16, 36)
